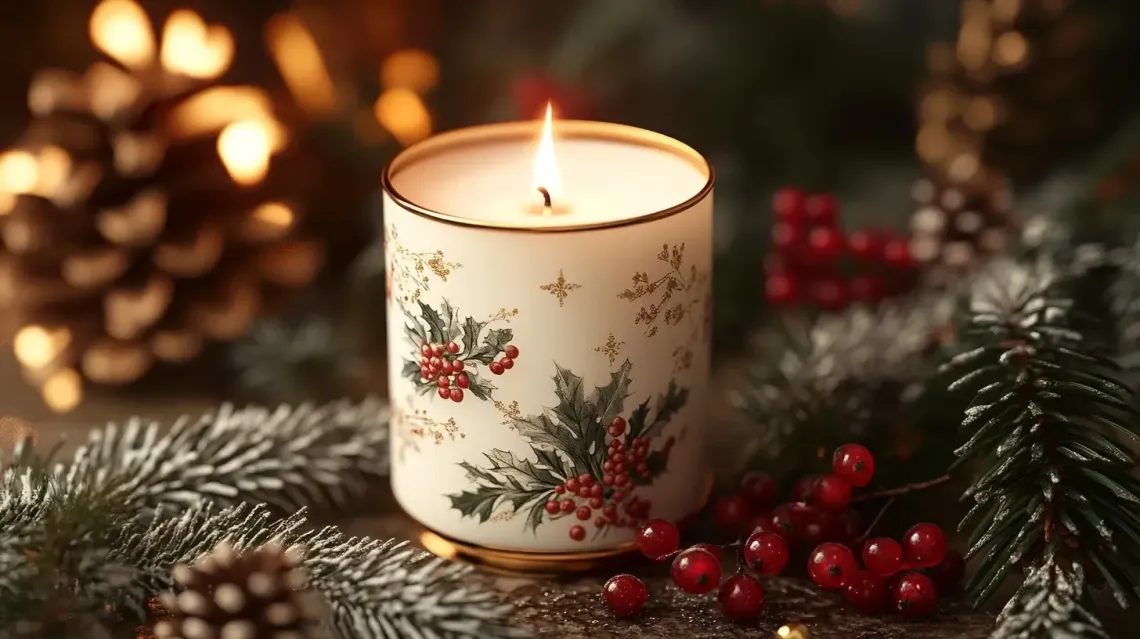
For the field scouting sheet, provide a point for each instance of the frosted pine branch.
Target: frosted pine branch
(289, 457)
(375, 589)
(1048, 606)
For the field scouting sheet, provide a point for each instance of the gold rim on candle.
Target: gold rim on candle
(572, 129)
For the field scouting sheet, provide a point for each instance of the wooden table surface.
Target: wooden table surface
(568, 608)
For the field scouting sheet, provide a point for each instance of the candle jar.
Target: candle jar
(549, 368)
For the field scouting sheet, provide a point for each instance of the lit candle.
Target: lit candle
(548, 326)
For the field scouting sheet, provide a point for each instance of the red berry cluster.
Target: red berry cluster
(441, 363)
(810, 248)
(608, 500)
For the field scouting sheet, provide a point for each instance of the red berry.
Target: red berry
(826, 243)
(711, 548)
(619, 495)
(617, 427)
(850, 526)
(596, 502)
(511, 351)
(446, 367)
(426, 350)
(787, 239)
(657, 538)
(924, 545)
(814, 525)
(457, 394)
(567, 505)
(552, 507)
(758, 489)
(730, 513)
(696, 571)
(577, 533)
(830, 565)
(803, 488)
(766, 553)
(452, 348)
(425, 372)
(821, 208)
(584, 513)
(883, 556)
(496, 368)
(788, 205)
(507, 363)
(560, 489)
(866, 246)
(896, 253)
(854, 463)
(586, 479)
(784, 521)
(830, 293)
(948, 574)
(866, 288)
(625, 594)
(831, 493)
(867, 592)
(437, 350)
(457, 365)
(600, 521)
(741, 598)
(462, 381)
(914, 595)
(572, 484)
(780, 289)
(596, 491)
(444, 392)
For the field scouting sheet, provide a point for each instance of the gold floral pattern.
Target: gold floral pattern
(682, 359)
(410, 273)
(611, 349)
(560, 288)
(511, 413)
(414, 426)
(680, 293)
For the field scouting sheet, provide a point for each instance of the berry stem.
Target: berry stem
(875, 522)
(905, 489)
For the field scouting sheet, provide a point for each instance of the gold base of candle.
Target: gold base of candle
(533, 563)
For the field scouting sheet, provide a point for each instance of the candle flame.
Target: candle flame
(245, 148)
(120, 29)
(194, 49)
(546, 173)
(302, 67)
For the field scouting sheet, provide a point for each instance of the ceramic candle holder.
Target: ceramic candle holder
(548, 372)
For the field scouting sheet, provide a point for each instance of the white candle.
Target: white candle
(572, 342)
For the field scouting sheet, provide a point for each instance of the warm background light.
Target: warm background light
(546, 173)
(120, 29)
(410, 69)
(403, 114)
(19, 172)
(36, 347)
(193, 49)
(211, 110)
(301, 65)
(63, 391)
(245, 149)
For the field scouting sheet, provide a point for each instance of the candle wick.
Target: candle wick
(546, 203)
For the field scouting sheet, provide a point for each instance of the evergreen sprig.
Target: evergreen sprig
(288, 457)
(1048, 604)
(1055, 494)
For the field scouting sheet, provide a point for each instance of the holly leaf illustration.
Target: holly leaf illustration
(411, 371)
(520, 473)
(476, 503)
(471, 331)
(553, 461)
(638, 421)
(537, 512)
(657, 463)
(572, 409)
(496, 340)
(479, 386)
(416, 334)
(668, 404)
(509, 480)
(451, 329)
(609, 400)
(436, 326)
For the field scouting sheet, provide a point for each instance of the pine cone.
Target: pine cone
(960, 222)
(128, 240)
(254, 594)
(1014, 92)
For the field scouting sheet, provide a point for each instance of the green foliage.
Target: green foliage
(1054, 490)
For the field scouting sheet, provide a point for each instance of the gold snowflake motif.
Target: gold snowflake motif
(682, 359)
(611, 349)
(682, 294)
(418, 425)
(511, 412)
(560, 288)
(412, 272)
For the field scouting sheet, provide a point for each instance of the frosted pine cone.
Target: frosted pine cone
(251, 594)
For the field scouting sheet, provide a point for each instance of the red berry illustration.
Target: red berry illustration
(584, 513)
(766, 553)
(741, 598)
(883, 556)
(625, 594)
(511, 351)
(867, 592)
(924, 545)
(496, 368)
(443, 382)
(457, 395)
(437, 350)
(830, 565)
(854, 463)
(462, 381)
(552, 507)
(696, 571)
(425, 349)
(444, 392)
(452, 348)
(507, 363)
(567, 505)
(457, 365)
(577, 533)
(915, 595)
(658, 538)
(617, 427)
